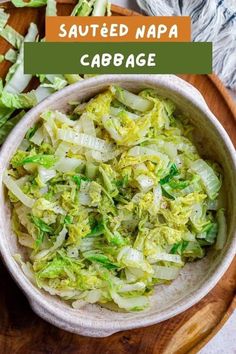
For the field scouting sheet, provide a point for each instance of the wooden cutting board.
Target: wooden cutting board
(22, 332)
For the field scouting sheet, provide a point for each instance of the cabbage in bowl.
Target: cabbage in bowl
(112, 199)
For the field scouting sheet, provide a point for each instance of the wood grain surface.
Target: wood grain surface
(22, 332)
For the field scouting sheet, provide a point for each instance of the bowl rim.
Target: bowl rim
(37, 300)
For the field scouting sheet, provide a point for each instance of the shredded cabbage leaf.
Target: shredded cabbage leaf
(12, 36)
(31, 3)
(3, 19)
(11, 55)
(51, 9)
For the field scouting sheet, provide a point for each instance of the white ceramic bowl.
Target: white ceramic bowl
(196, 279)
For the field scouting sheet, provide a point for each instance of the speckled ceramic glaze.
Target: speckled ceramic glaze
(196, 279)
